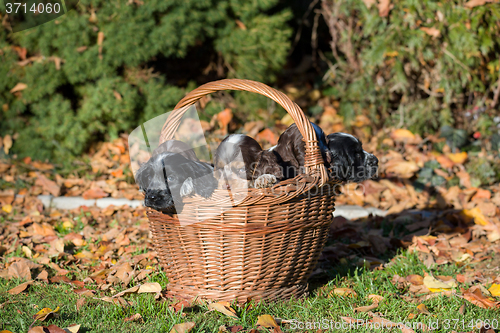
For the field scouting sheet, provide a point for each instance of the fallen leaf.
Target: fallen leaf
(72, 329)
(94, 193)
(79, 303)
(475, 3)
(402, 135)
(268, 321)
(384, 7)
(45, 313)
(401, 168)
(20, 288)
(54, 329)
(417, 280)
(268, 136)
(494, 290)
(366, 308)
(225, 308)
(475, 214)
(423, 309)
(136, 317)
(7, 144)
(352, 320)
(477, 298)
(343, 292)
(19, 87)
(436, 285)
(48, 185)
(36, 329)
(376, 298)
(20, 270)
(7, 208)
(458, 158)
(182, 328)
(431, 31)
(150, 287)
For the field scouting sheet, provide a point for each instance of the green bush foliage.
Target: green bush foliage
(419, 66)
(79, 92)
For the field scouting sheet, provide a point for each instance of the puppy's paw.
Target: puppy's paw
(265, 180)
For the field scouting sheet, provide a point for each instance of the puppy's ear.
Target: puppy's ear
(187, 187)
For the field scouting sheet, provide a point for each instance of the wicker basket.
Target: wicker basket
(263, 248)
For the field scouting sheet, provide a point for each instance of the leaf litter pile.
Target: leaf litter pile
(436, 210)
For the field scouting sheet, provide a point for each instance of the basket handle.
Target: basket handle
(313, 158)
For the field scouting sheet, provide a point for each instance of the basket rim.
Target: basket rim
(314, 163)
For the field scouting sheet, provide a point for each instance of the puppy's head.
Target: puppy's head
(349, 162)
(168, 177)
(176, 146)
(234, 161)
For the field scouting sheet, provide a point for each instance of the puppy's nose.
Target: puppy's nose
(227, 186)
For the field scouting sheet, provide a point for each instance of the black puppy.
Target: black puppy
(240, 162)
(168, 177)
(291, 150)
(349, 162)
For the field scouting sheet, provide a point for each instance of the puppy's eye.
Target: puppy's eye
(242, 170)
(170, 178)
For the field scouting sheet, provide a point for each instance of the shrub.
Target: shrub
(89, 74)
(426, 64)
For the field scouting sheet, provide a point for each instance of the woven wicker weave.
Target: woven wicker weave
(263, 248)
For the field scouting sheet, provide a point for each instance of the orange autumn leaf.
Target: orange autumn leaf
(48, 185)
(445, 162)
(477, 298)
(94, 193)
(267, 135)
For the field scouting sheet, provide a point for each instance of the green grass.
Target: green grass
(99, 316)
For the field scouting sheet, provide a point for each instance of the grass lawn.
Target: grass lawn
(446, 312)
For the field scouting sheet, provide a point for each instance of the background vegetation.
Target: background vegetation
(101, 69)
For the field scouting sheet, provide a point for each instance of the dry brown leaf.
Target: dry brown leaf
(268, 136)
(79, 303)
(150, 287)
(431, 31)
(72, 329)
(268, 321)
(47, 184)
(7, 144)
(20, 270)
(402, 135)
(20, 288)
(352, 320)
(135, 317)
(415, 279)
(384, 7)
(132, 290)
(401, 168)
(182, 328)
(225, 308)
(366, 308)
(477, 298)
(19, 87)
(36, 329)
(376, 298)
(343, 292)
(475, 3)
(94, 193)
(54, 329)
